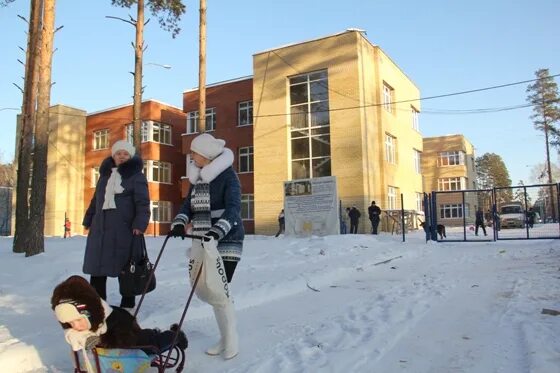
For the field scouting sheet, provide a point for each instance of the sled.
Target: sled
(138, 359)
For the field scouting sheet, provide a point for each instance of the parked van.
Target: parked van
(512, 215)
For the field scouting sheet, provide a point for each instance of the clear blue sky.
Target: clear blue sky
(443, 46)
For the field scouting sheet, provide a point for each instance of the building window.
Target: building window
(417, 161)
(151, 131)
(310, 125)
(101, 139)
(245, 113)
(94, 176)
(391, 198)
(246, 159)
(390, 148)
(414, 118)
(452, 183)
(158, 171)
(419, 201)
(452, 158)
(161, 211)
(247, 207)
(451, 211)
(192, 120)
(388, 93)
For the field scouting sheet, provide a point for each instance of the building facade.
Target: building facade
(335, 106)
(229, 116)
(448, 165)
(164, 163)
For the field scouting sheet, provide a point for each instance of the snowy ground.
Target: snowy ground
(324, 305)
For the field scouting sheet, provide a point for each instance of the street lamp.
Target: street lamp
(159, 64)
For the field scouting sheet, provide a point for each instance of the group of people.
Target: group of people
(351, 219)
(116, 219)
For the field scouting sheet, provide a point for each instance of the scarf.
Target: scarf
(113, 187)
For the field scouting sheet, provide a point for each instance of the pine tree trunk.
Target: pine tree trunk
(39, 179)
(25, 143)
(202, 69)
(138, 52)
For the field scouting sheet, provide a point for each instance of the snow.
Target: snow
(348, 303)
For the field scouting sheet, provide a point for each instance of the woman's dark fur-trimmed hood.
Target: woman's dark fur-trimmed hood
(131, 167)
(78, 289)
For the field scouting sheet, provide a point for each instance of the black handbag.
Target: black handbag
(137, 275)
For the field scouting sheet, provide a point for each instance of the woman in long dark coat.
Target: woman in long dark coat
(118, 212)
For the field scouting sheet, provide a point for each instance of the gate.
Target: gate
(505, 213)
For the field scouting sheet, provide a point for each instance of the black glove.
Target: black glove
(209, 235)
(177, 231)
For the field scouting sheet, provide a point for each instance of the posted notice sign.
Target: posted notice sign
(311, 207)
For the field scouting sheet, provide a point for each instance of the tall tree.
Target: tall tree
(202, 69)
(492, 173)
(7, 175)
(169, 14)
(543, 95)
(35, 244)
(24, 147)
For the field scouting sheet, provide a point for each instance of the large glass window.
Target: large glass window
(452, 158)
(161, 211)
(101, 139)
(157, 171)
(310, 125)
(192, 120)
(245, 113)
(451, 211)
(419, 202)
(94, 176)
(388, 93)
(152, 131)
(246, 159)
(390, 148)
(452, 183)
(247, 207)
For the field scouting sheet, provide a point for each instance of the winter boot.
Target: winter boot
(228, 345)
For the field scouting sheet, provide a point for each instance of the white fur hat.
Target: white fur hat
(207, 146)
(123, 145)
(70, 310)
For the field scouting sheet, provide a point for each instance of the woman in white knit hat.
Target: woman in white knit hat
(213, 209)
(118, 214)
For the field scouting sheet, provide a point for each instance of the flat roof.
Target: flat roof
(234, 80)
(129, 104)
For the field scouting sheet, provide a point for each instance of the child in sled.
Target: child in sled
(88, 321)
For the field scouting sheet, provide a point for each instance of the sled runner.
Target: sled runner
(138, 358)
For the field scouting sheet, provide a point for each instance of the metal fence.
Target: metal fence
(520, 212)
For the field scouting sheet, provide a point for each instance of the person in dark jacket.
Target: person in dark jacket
(117, 216)
(374, 213)
(530, 217)
(213, 209)
(479, 221)
(88, 321)
(281, 223)
(354, 215)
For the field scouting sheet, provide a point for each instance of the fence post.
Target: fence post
(402, 218)
(433, 222)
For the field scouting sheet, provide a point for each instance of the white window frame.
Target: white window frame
(192, 121)
(245, 160)
(101, 139)
(388, 97)
(247, 108)
(392, 197)
(248, 200)
(159, 208)
(451, 158)
(94, 176)
(417, 159)
(390, 148)
(415, 120)
(149, 129)
(419, 201)
(451, 211)
(452, 183)
(159, 169)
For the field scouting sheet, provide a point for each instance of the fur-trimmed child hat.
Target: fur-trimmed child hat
(75, 298)
(207, 146)
(123, 145)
